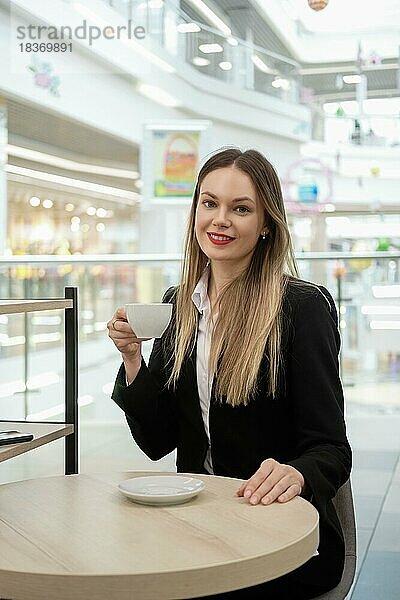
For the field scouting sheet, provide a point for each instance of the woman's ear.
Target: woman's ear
(266, 226)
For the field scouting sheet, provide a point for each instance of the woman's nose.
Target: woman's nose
(221, 218)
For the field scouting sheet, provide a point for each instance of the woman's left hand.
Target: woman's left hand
(272, 481)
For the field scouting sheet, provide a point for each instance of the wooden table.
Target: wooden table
(77, 537)
(43, 433)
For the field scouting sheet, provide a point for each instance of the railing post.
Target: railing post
(26, 351)
(71, 382)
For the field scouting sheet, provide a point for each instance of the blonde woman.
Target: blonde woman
(245, 381)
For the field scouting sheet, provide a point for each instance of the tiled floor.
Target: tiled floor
(374, 433)
(376, 487)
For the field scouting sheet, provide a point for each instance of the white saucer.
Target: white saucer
(161, 489)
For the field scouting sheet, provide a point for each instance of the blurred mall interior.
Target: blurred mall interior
(99, 143)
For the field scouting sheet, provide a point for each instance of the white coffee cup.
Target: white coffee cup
(148, 320)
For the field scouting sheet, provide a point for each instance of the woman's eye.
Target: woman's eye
(207, 201)
(241, 209)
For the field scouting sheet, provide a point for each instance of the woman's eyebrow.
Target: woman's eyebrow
(240, 199)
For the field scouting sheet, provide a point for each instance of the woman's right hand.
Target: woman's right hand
(124, 337)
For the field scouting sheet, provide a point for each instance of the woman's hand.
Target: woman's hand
(124, 338)
(272, 481)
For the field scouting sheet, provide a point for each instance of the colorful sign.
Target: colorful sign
(308, 192)
(176, 155)
(302, 191)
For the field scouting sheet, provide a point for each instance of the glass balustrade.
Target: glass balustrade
(366, 289)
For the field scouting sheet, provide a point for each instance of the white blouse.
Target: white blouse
(204, 381)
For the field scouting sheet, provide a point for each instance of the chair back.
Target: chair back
(343, 503)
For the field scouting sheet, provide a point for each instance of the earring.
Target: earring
(264, 235)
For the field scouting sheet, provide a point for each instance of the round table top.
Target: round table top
(77, 537)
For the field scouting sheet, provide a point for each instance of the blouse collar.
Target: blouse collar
(200, 296)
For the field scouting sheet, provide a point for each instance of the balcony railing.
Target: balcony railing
(239, 62)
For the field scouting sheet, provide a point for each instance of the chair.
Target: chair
(343, 502)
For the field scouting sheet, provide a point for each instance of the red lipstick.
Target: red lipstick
(219, 242)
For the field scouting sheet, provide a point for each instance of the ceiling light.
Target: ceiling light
(101, 212)
(225, 65)
(69, 207)
(199, 61)
(71, 165)
(188, 28)
(85, 228)
(75, 220)
(352, 78)
(232, 41)
(384, 325)
(157, 94)
(210, 48)
(386, 291)
(34, 201)
(91, 211)
(282, 83)
(100, 227)
(261, 65)
(211, 16)
(47, 203)
(380, 310)
(129, 197)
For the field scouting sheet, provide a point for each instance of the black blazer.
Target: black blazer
(303, 426)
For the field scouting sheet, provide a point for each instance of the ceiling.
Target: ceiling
(382, 80)
(243, 16)
(46, 130)
(342, 16)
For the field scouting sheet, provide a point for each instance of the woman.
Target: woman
(245, 381)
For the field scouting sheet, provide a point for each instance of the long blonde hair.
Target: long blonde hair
(249, 318)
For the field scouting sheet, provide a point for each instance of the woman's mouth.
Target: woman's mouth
(219, 240)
